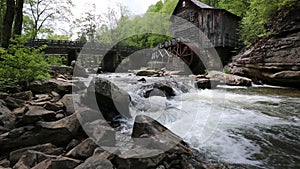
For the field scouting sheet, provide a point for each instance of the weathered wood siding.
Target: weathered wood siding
(219, 26)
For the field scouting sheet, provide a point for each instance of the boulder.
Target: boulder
(49, 85)
(158, 89)
(5, 163)
(146, 73)
(3, 95)
(47, 148)
(13, 103)
(58, 133)
(79, 71)
(69, 100)
(83, 150)
(139, 158)
(95, 162)
(7, 118)
(101, 133)
(111, 100)
(35, 114)
(274, 60)
(57, 70)
(58, 163)
(150, 134)
(30, 159)
(27, 95)
(205, 83)
(229, 79)
(52, 107)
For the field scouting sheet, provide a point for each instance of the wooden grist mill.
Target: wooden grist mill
(204, 38)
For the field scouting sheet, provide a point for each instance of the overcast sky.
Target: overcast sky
(135, 6)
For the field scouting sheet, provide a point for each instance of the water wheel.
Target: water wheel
(184, 52)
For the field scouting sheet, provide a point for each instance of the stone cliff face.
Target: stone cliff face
(275, 59)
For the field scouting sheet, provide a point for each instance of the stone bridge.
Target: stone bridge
(111, 55)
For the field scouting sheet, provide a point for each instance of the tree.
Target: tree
(87, 24)
(18, 17)
(45, 12)
(8, 23)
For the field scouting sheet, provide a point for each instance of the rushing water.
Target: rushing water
(258, 126)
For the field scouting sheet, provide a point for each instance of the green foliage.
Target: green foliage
(56, 60)
(226, 70)
(21, 65)
(255, 15)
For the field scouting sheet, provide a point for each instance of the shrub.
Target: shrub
(20, 65)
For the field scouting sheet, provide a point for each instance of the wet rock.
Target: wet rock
(229, 79)
(58, 163)
(52, 106)
(158, 89)
(49, 85)
(110, 99)
(27, 95)
(84, 150)
(149, 133)
(205, 83)
(48, 148)
(79, 71)
(142, 80)
(36, 114)
(95, 162)
(146, 73)
(58, 133)
(101, 133)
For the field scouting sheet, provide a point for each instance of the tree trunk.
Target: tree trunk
(7, 23)
(19, 17)
(2, 13)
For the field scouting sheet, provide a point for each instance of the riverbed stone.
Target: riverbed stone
(111, 100)
(49, 85)
(58, 163)
(83, 150)
(95, 162)
(229, 79)
(146, 73)
(59, 133)
(13, 103)
(7, 118)
(69, 100)
(52, 106)
(101, 133)
(27, 95)
(204, 83)
(158, 89)
(35, 114)
(47, 148)
(30, 159)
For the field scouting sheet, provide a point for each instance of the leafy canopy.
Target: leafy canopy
(20, 65)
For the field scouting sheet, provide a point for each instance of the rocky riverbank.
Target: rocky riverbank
(274, 60)
(47, 127)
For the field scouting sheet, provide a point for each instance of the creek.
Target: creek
(257, 126)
